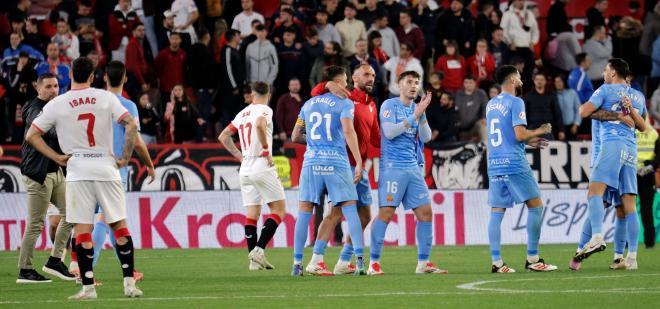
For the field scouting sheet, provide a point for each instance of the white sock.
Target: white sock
(498, 263)
(597, 236)
(632, 255)
(374, 261)
(533, 259)
(316, 258)
(618, 256)
(129, 281)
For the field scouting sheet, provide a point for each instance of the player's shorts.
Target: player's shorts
(363, 189)
(52, 211)
(616, 167)
(612, 197)
(506, 190)
(98, 209)
(315, 179)
(397, 185)
(262, 187)
(82, 197)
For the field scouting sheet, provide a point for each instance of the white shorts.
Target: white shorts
(82, 197)
(52, 211)
(264, 187)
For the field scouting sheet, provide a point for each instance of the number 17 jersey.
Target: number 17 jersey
(246, 125)
(506, 155)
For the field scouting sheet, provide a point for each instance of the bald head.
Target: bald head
(364, 77)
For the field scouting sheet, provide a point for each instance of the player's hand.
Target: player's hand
(627, 120)
(423, 104)
(283, 136)
(152, 174)
(121, 162)
(358, 174)
(626, 102)
(561, 136)
(538, 142)
(546, 128)
(61, 160)
(643, 171)
(574, 129)
(269, 159)
(337, 90)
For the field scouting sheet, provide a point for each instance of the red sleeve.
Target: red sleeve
(375, 129)
(115, 32)
(319, 89)
(232, 128)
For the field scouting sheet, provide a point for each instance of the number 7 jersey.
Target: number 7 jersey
(246, 124)
(506, 155)
(321, 117)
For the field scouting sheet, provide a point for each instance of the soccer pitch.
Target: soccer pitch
(218, 278)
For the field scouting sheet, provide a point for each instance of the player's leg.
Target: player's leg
(300, 235)
(80, 212)
(98, 235)
(252, 214)
(53, 222)
(326, 229)
(269, 190)
(378, 229)
(632, 228)
(499, 199)
(344, 265)
(620, 234)
(349, 209)
(273, 220)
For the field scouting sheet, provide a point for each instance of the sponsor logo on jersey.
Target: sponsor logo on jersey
(387, 113)
(499, 161)
(390, 198)
(323, 168)
(522, 116)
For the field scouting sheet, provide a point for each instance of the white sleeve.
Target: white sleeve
(46, 120)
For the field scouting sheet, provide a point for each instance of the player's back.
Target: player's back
(326, 144)
(506, 155)
(608, 97)
(246, 122)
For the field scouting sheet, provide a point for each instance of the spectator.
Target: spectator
(372, 9)
(68, 43)
(651, 31)
(493, 91)
(394, 9)
(185, 15)
(184, 118)
(19, 77)
(579, 81)
(471, 106)
(521, 33)
(122, 22)
(350, 30)
(654, 108)
(362, 56)
(261, 59)
(655, 66)
(498, 48)
(567, 48)
(149, 119)
(569, 104)
(482, 65)
(287, 110)
(16, 47)
(389, 43)
(291, 59)
(313, 46)
(83, 15)
(56, 67)
(411, 34)
(595, 17)
(34, 38)
(137, 66)
(250, 38)
(286, 22)
(375, 47)
(629, 34)
(331, 56)
(233, 77)
(441, 113)
(243, 21)
(18, 26)
(401, 63)
(427, 20)
(599, 49)
(452, 65)
(326, 31)
(542, 107)
(99, 72)
(557, 19)
(169, 66)
(146, 9)
(334, 11)
(484, 25)
(163, 32)
(20, 9)
(456, 24)
(90, 40)
(202, 74)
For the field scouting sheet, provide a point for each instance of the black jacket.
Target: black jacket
(543, 108)
(35, 165)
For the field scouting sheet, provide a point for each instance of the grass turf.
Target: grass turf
(219, 278)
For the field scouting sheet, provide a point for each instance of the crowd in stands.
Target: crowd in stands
(190, 62)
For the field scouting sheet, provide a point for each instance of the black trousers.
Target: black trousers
(646, 187)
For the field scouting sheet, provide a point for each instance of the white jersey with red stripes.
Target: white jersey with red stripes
(83, 122)
(252, 149)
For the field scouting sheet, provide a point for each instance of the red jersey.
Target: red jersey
(365, 120)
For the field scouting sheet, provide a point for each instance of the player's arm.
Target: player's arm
(130, 136)
(524, 135)
(143, 153)
(33, 137)
(587, 109)
(353, 146)
(424, 128)
(262, 135)
(226, 140)
(298, 135)
(640, 123)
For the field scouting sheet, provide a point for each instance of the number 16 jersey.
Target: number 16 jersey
(246, 124)
(506, 155)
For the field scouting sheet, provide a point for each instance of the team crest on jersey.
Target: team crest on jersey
(390, 198)
(387, 113)
(522, 116)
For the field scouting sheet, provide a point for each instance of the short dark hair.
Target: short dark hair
(256, 21)
(82, 68)
(230, 34)
(179, 34)
(469, 77)
(290, 30)
(260, 88)
(311, 32)
(260, 27)
(288, 11)
(116, 71)
(247, 89)
(503, 73)
(333, 71)
(619, 66)
(201, 32)
(350, 5)
(45, 76)
(405, 74)
(517, 60)
(407, 12)
(136, 25)
(85, 3)
(581, 57)
(537, 73)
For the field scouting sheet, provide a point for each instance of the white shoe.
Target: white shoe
(258, 256)
(504, 269)
(318, 269)
(344, 268)
(539, 266)
(374, 269)
(596, 244)
(254, 266)
(619, 263)
(130, 290)
(631, 264)
(87, 292)
(429, 268)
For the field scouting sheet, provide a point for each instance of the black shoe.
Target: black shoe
(58, 269)
(31, 276)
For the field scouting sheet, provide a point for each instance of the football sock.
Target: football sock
(424, 240)
(98, 236)
(74, 256)
(319, 246)
(619, 237)
(268, 231)
(251, 233)
(85, 259)
(632, 226)
(533, 230)
(596, 214)
(354, 228)
(494, 235)
(346, 253)
(378, 230)
(300, 235)
(585, 236)
(125, 252)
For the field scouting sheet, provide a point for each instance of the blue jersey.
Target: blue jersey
(506, 155)
(321, 117)
(595, 141)
(608, 97)
(402, 151)
(119, 132)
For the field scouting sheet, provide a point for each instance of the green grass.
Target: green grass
(219, 278)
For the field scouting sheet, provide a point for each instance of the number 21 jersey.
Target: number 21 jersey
(246, 124)
(506, 155)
